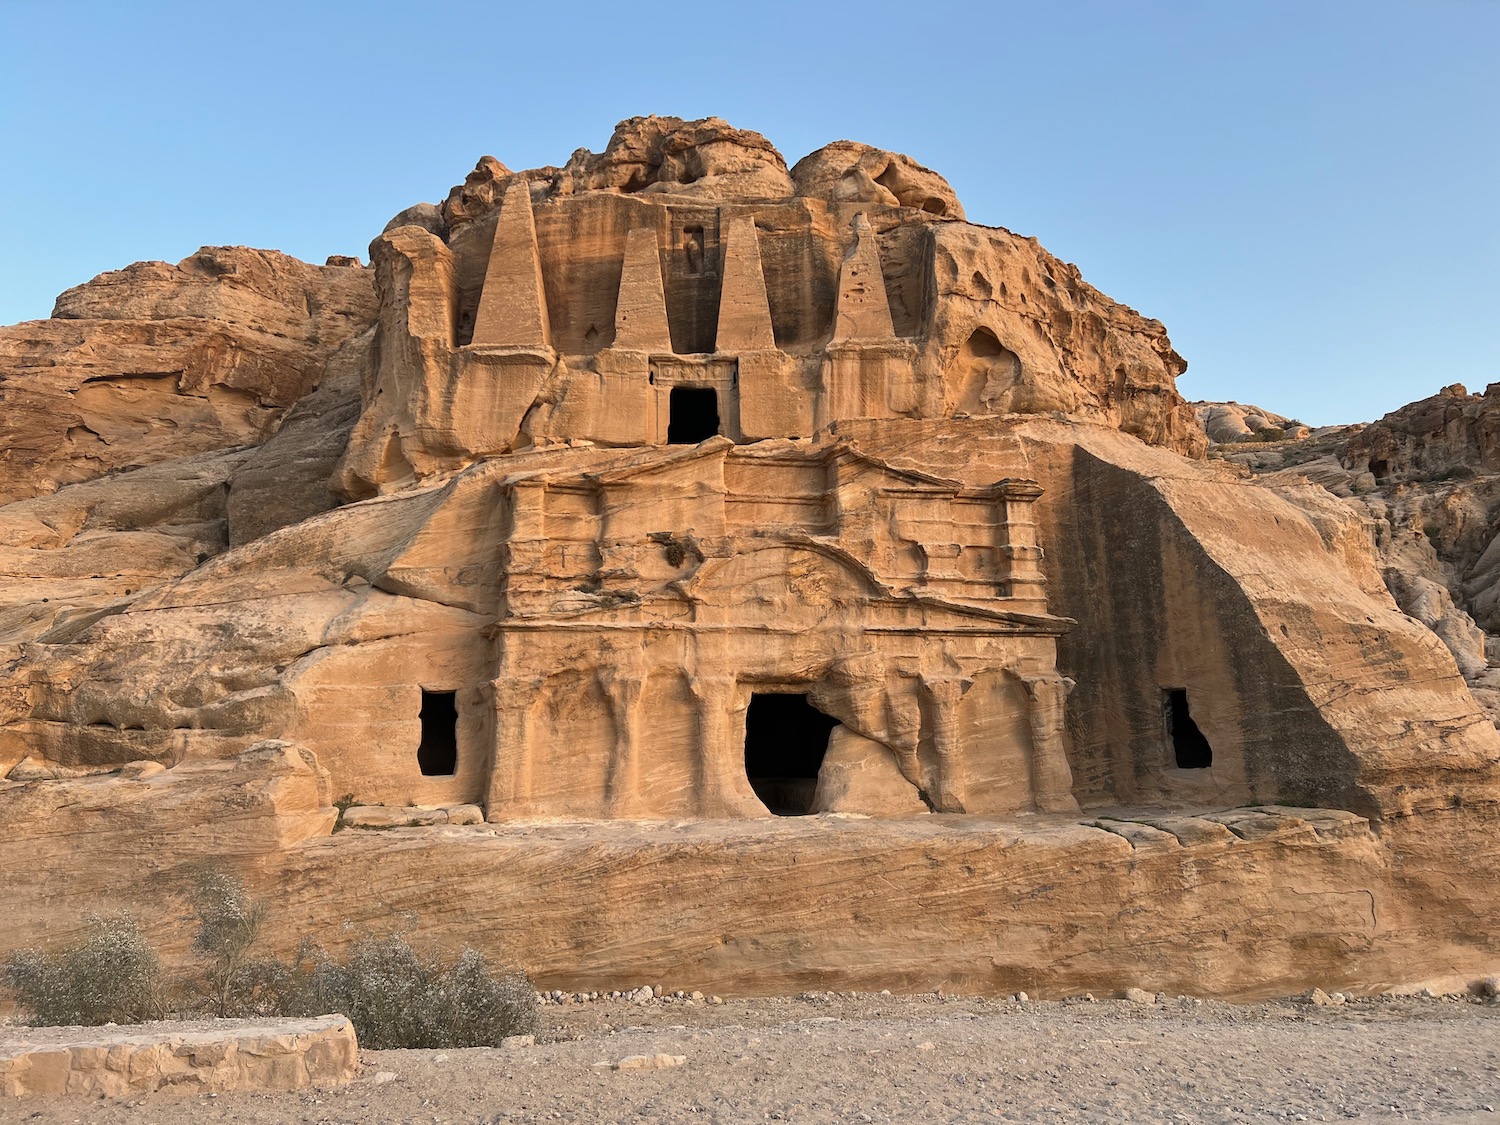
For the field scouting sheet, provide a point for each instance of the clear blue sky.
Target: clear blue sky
(1305, 192)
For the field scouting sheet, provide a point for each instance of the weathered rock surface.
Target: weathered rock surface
(289, 478)
(88, 549)
(1425, 481)
(208, 1057)
(156, 362)
(849, 172)
(109, 838)
(1233, 421)
(635, 505)
(658, 155)
(1444, 434)
(1263, 899)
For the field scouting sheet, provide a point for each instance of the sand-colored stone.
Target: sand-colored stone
(513, 308)
(862, 312)
(744, 307)
(848, 172)
(641, 312)
(778, 905)
(860, 775)
(206, 1057)
(1425, 483)
(1235, 422)
(156, 362)
(948, 313)
(519, 617)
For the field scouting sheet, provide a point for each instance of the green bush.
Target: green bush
(111, 977)
(398, 997)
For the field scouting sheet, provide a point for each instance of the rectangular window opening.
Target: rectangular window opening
(1190, 750)
(437, 754)
(693, 415)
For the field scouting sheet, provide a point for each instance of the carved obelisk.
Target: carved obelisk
(863, 311)
(744, 308)
(641, 312)
(513, 303)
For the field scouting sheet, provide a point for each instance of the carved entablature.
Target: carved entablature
(636, 532)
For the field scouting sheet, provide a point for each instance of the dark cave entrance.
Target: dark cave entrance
(785, 738)
(1190, 749)
(437, 754)
(693, 415)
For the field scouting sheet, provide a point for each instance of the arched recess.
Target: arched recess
(780, 583)
(982, 375)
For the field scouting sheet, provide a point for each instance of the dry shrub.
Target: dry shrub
(234, 982)
(111, 977)
(394, 995)
(399, 997)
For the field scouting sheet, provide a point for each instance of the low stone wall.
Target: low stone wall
(208, 1056)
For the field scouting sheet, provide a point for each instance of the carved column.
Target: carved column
(723, 788)
(1051, 776)
(523, 553)
(945, 788)
(904, 731)
(510, 777)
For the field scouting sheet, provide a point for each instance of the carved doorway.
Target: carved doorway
(785, 740)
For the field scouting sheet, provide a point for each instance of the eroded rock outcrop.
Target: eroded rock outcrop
(849, 172)
(1425, 481)
(155, 362)
(644, 505)
(1233, 422)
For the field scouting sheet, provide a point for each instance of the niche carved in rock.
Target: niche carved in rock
(983, 375)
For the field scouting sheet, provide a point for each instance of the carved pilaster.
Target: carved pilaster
(1020, 556)
(510, 780)
(1051, 776)
(945, 773)
(622, 795)
(723, 788)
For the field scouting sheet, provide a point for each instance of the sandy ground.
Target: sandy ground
(826, 1058)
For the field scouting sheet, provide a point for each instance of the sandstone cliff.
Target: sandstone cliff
(155, 362)
(1425, 481)
(532, 513)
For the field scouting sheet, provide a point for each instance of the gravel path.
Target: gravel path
(911, 1059)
